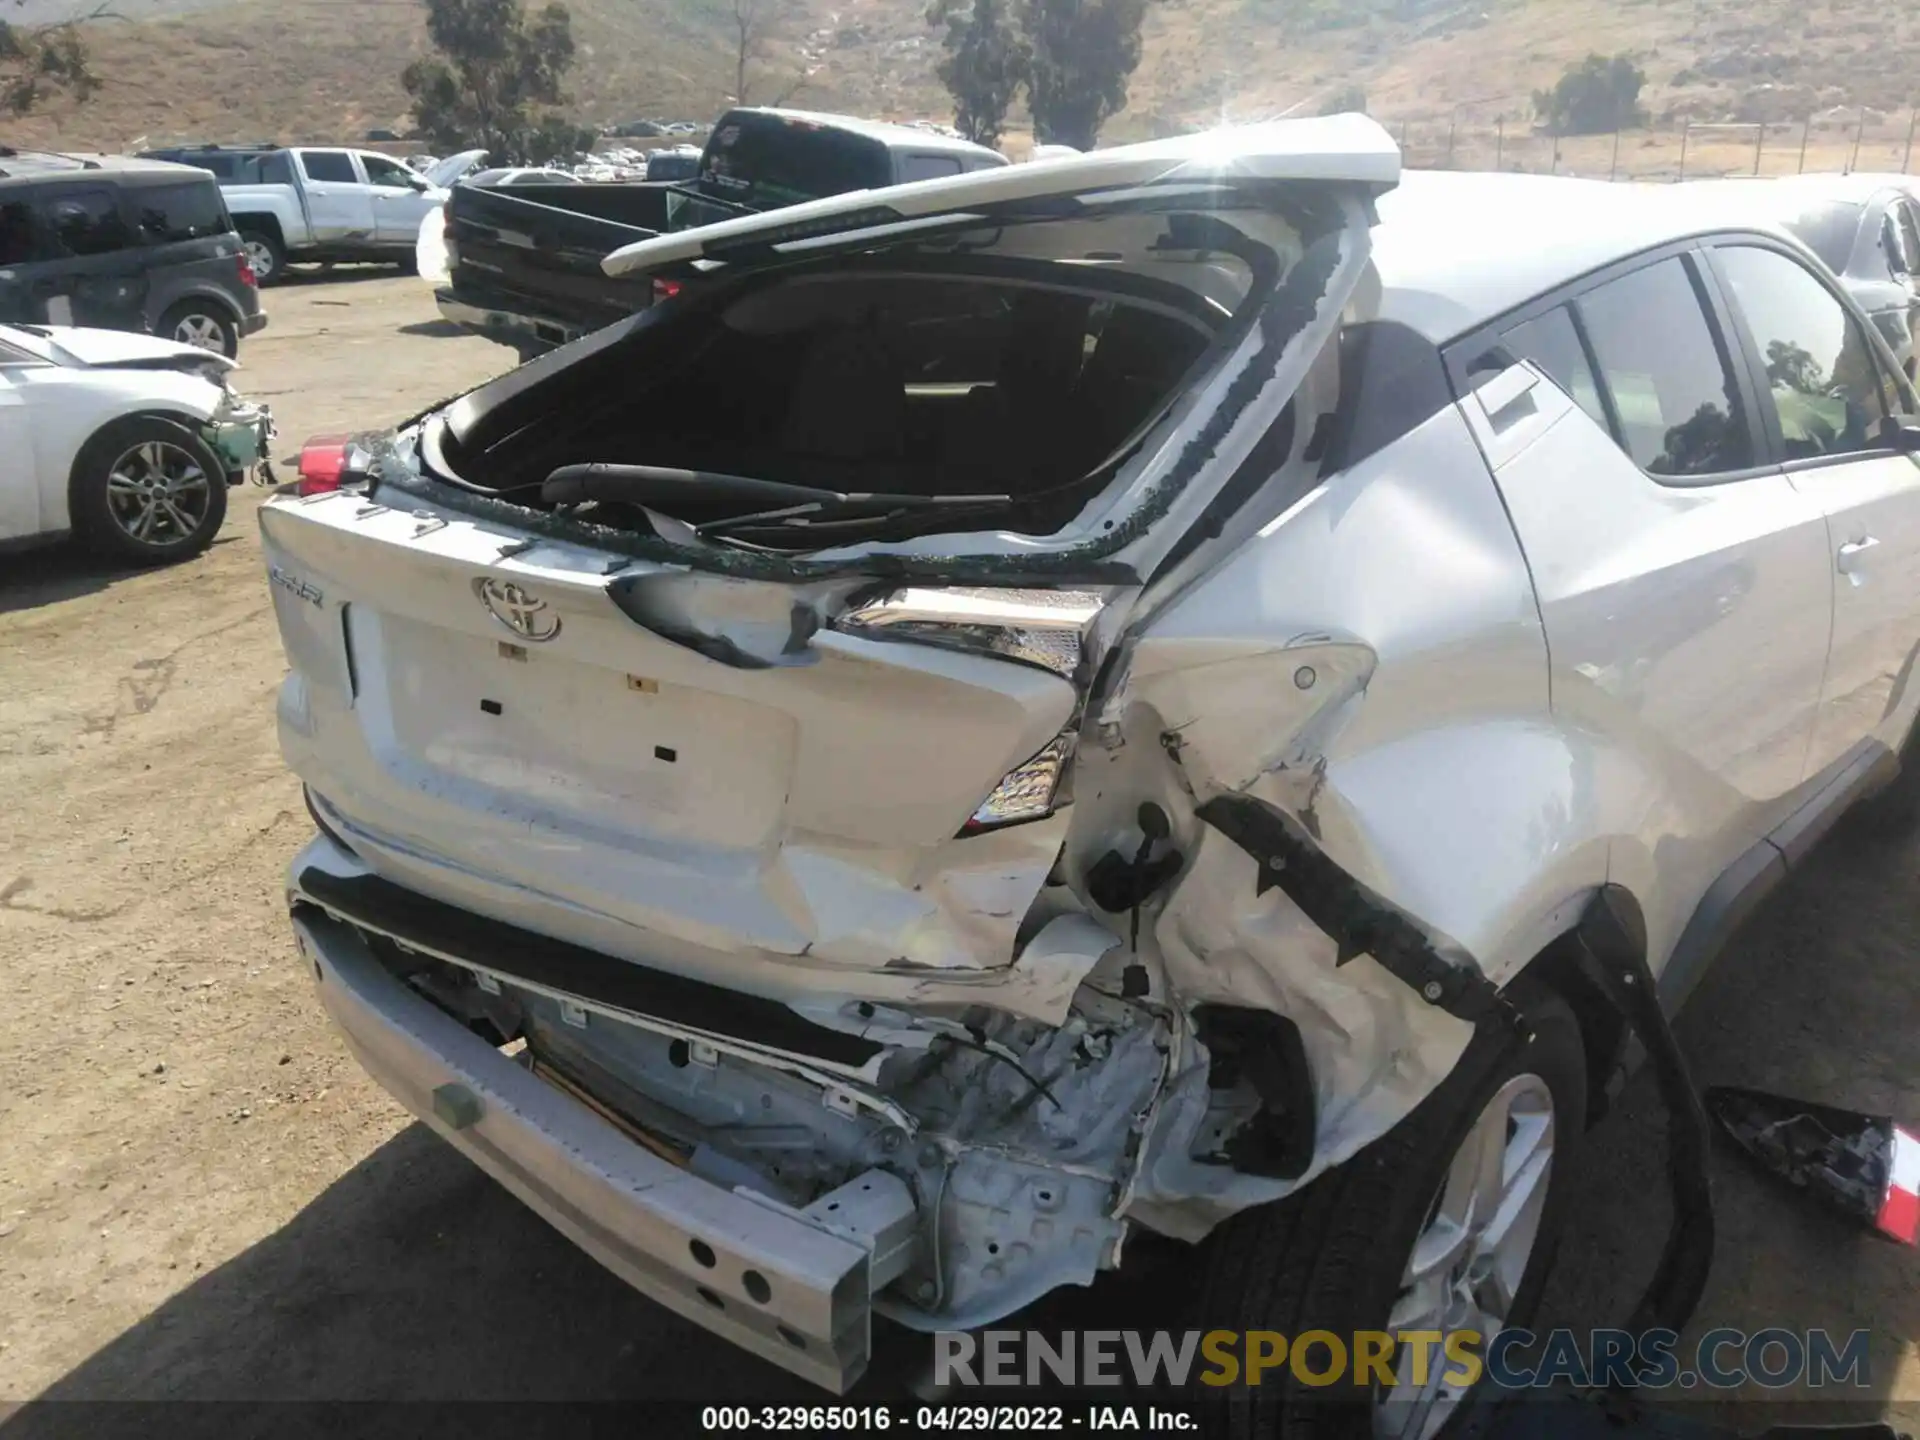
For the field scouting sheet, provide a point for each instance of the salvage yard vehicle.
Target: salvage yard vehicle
(1099, 697)
(525, 265)
(1865, 228)
(126, 442)
(124, 244)
(326, 203)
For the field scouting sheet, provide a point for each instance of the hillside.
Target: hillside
(300, 69)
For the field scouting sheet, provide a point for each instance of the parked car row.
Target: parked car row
(1106, 696)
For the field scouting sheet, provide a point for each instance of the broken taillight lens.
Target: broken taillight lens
(1046, 628)
(1031, 791)
(665, 290)
(1043, 628)
(245, 267)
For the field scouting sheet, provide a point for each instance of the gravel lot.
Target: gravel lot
(201, 1197)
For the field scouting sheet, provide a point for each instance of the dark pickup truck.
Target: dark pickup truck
(524, 263)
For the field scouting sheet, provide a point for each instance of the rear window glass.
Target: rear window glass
(765, 161)
(331, 166)
(167, 213)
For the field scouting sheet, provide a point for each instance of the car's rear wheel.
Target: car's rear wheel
(265, 254)
(1446, 1223)
(202, 323)
(147, 491)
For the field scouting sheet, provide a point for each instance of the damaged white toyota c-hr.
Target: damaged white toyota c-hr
(1091, 696)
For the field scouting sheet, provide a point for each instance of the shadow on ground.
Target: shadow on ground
(439, 329)
(414, 1277)
(65, 571)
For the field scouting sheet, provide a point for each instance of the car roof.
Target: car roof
(902, 136)
(29, 168)
(1454, 250)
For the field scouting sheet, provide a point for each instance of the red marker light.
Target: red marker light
(323, 460)
(665, 290)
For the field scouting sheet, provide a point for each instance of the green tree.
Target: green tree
(1347, 100)
(1082, 54)
(1599, 94)
(498, 71)
(39, 63)
(984, 65)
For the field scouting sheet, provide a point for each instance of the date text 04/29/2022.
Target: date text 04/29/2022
(956, 1419)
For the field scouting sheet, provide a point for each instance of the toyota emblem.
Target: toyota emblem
(526, 615)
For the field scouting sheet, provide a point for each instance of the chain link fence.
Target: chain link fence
(1843, 140)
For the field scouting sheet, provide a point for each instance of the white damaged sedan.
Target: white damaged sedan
(127, 442)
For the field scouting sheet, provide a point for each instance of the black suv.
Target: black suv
(122, 244)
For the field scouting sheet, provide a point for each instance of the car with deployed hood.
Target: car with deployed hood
(1125, 695)
(128, 443)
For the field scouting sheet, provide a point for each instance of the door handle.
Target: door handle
(1852, 551)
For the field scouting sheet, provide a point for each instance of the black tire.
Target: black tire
(409, 264)
(202, 322)
(267, 255)
(1331, 1257)
(106, 517)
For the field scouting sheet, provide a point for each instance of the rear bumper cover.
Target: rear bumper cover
(254, 323)
(768, 1279)
(506, 326)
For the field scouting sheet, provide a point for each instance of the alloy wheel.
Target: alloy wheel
(1470, 1257)
(201, 329)
(158, 494)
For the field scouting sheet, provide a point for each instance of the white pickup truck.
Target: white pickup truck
(326, 204)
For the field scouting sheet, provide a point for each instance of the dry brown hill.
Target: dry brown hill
(329, 69)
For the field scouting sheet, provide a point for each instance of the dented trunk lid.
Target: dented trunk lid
(684, 756)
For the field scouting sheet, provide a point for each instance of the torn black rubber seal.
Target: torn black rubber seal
(1613, 949)
(1359, 921)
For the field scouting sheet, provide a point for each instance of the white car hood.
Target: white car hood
(76, 345)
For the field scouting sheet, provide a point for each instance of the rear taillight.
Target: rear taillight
(1047, 629)
(323, 461)
(245, 267)
(665, 290)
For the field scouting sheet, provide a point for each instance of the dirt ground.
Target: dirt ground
(200, 1197)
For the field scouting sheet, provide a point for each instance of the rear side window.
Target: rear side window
(1551, 342)
(1822, 379)
(1669, 379)
(164, 214)
(334, 167)
(767, 161)
(85, 222)
(927, 167)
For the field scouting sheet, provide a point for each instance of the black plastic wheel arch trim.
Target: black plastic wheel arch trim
(1359, 921)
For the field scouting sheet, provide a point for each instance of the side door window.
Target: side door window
(1825, 388)
(387, 174)
(1666, 376)
(329, 167)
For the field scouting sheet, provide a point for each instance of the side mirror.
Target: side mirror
(1901, 435)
